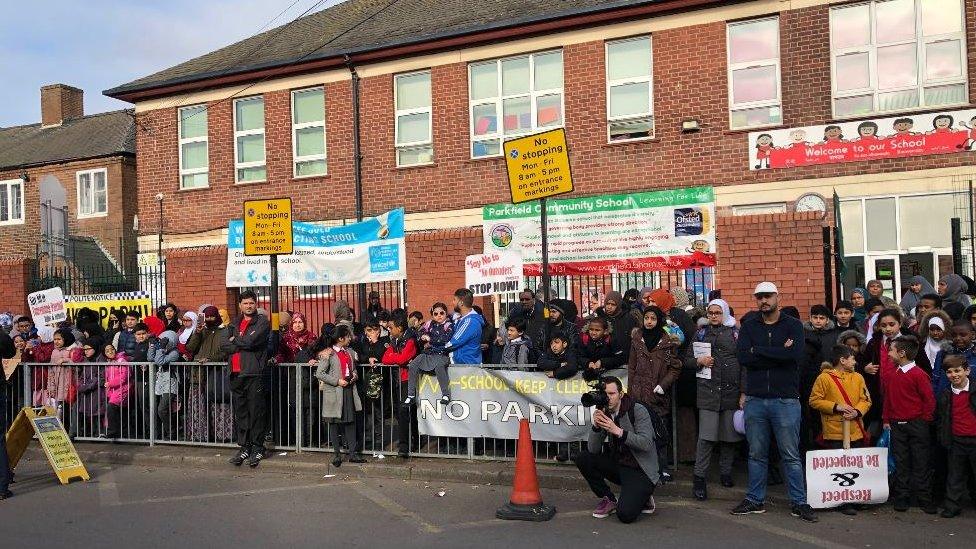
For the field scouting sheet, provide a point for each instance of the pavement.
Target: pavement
(190, 497)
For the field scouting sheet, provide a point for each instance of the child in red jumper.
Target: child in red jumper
(957, 431)
(399, 352)
(909, 406)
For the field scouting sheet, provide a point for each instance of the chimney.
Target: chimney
(60, 102)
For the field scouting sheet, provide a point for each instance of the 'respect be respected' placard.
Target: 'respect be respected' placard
(538, 166)
(267, 227)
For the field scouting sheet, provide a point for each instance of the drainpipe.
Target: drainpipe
(357, 165)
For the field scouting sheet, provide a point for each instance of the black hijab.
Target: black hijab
(653, 336)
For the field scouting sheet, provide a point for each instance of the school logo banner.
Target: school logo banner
(893, 137)
(594, 235)
(372, 250)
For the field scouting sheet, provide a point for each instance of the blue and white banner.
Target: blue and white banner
(369, 251)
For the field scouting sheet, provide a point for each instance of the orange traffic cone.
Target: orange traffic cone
(526, 501)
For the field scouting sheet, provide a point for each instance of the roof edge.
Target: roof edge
(67, 160)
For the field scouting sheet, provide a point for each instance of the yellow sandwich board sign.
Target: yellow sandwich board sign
(538, 166)
(60, 452)
(267, 227)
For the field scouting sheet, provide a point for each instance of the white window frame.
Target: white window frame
(244, 133)
(499, 100)
(732, 67)
(429, 142)
(187, 141)
(5, 187)
(871, 49)
(91, 175)
(649, 80)
(294, 138)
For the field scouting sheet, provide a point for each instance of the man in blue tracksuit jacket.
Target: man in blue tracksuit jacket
(770, 348)
(465, 344)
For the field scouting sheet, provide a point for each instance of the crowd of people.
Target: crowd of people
(895, 370)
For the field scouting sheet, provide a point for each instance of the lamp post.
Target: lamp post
(159, 230)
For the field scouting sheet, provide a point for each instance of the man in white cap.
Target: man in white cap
(770, 348)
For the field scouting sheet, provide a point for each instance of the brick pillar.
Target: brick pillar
(435, 265)
(15, 287)
(195, 276)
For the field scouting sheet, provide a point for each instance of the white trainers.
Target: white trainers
(649, 507)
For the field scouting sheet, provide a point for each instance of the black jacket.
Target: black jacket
(621, 325)
(818, 344)
(367, 350)
(772, 368)
(252, 344)
(563, 366)
(7, 350)
(943, 411)
(604, 350)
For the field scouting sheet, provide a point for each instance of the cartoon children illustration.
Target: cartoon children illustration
(971, 139)
(833, 134)
(867, 131)
(903, 126)
(764, 145)
(798, 138)
(942, 124)
(699, 246)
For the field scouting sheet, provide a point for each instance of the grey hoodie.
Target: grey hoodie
(163, 356)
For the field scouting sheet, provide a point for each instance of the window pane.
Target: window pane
(4, 205)
(880, 216)
(850, 218)
(516, 114)
(310, 141)
(895, 21)
(486, 148)
(548, 70)
(631, 129)
(252, 174)
(924, 220)
(250, 148)
(897, 66)
(195, 181)
(485, 119)
(412, 128)
(892, 101)
(99, 178)
(942, 59)
(86, 200)
(850, 26)
(762, 116)
(484, 80)
(101, 202)
(849, 106)
(16, 202)
(548, 110)
(413, 91)
(310, 167)
(945, 95)
(193, 122)
(852, 71)
(250, 114)
(194, 155)
(309, 106)
(415, 155)
(629, 59)
(630, 99)
(753, 84)
(515, 76)
(754, 41)
(941, 16)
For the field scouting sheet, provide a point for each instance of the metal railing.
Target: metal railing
(191, 404)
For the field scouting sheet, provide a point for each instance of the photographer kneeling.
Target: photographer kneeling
(620, 449)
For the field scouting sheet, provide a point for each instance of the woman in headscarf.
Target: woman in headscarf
(204, 345)
(917, 287)
(719, 376)
(91, 389)
(190, 321)
(952, 288)
(858, 296)
(932, 334)
(653, 367)
(876, 290)
(195, 418)
(296, 341)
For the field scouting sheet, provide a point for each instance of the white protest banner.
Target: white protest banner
(372, 250)
(836, 477)
(487, 402)
(493, 273)
(607, 234)
(47, 306)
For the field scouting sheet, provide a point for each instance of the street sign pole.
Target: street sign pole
(273, 259)
(543, 221)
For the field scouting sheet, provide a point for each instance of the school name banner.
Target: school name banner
(372, 250)
(106, 304)
(836, 477)
(490, 403)
(594, 235)
(892, 137)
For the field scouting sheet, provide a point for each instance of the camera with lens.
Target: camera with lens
(597, 397)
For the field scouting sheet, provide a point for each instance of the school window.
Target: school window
(194, 162)
(414, 138)
(92, 193)
(308, 132)
(512, 97)
(11, 202)
(630, 93)
(897, 55)
(754, 73)
(249, 162)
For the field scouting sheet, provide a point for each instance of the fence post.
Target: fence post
(674, 431)
(299, 402)
(28, 399)
(152, 404)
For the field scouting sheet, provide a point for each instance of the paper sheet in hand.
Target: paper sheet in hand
(701, 349)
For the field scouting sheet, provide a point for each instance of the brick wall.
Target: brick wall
(195, 276)
(786, 249)
(435, 265)
(13, 291)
